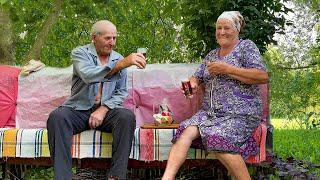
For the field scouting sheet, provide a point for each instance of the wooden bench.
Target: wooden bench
(39, 93)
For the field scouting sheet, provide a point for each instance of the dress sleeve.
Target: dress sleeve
(251, 57)
(199, 74)
(200, 71)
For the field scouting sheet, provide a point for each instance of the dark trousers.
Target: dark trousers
(64, 122)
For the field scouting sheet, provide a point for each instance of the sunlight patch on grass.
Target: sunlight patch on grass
(284, 124)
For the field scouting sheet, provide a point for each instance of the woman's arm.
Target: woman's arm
(247, 76)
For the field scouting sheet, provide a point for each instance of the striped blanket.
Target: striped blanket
(148, 144)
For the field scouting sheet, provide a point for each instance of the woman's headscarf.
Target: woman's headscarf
(234, 17)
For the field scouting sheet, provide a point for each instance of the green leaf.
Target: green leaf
(2, 2)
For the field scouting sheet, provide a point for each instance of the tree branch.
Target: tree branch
(299, 67)
(35, 51)
(6, 47)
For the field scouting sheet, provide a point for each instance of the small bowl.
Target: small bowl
(162, 120)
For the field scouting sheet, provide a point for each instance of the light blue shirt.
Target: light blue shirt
(88, 72)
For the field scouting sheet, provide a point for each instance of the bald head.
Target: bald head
(102, 26)
(104, 36)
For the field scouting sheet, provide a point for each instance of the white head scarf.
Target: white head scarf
(234, 17)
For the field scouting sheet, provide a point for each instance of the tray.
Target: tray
(167, 126)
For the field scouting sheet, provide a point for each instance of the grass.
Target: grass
(300, 144)
(291, 141)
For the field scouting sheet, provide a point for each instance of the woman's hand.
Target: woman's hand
(194, 83)
(219, 67)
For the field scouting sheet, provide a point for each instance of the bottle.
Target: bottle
(164, 110)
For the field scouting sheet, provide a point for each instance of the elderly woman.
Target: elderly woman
(232, 105)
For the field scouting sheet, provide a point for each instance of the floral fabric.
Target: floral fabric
(231, 110)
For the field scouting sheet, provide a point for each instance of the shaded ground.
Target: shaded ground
(296, 169)
(279, 169)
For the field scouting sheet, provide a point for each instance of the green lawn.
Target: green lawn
(291, 141)
(300, 144)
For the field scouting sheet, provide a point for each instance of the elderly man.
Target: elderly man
(97, 93)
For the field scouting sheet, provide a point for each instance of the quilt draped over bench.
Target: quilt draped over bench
(42, 91)
(148, 145)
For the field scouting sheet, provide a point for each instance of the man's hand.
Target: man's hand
(136, 59)
(96, 118)
(219, 67)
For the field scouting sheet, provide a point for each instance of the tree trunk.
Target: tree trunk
(41, 38)
(6, 45)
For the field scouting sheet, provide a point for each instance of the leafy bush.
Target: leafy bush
(260, 16)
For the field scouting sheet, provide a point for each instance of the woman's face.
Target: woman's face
(226, 33)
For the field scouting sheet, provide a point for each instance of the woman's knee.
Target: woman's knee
(190, 133)
(225, 155)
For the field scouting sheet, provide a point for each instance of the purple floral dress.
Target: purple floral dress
(231, 110)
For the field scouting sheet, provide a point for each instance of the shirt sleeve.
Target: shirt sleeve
(251, 57)
(86, 68)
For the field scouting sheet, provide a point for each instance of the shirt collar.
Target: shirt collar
(113, 56)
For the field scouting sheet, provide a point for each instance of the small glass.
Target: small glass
(186, 86)
(142, 51)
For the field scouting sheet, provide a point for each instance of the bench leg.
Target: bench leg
(3, 167)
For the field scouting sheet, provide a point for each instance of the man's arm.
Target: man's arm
(85, 67)
(136, 59)
(117, 97)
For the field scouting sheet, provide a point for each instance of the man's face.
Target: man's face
(226, 33)
(105, 41)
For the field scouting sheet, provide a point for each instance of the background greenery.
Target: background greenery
(175, 31)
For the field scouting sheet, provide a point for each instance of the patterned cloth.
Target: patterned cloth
(231, 110)
(148, 145)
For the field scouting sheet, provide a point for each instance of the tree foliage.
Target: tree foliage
(140, 23)
(260, 16)
(294, 68)
(172, 30)
(314, 4)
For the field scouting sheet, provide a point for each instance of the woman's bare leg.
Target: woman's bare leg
(179, 150)
(235, 165)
